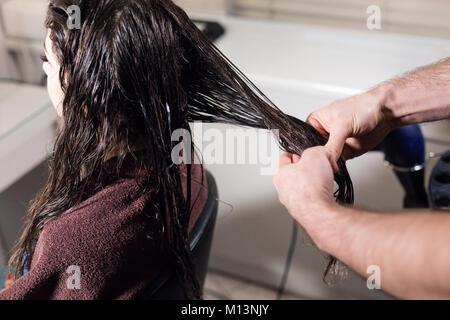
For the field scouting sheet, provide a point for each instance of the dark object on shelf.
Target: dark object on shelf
(212, 30)
(404, 150)
(439, 188)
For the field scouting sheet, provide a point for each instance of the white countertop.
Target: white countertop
(322, 57)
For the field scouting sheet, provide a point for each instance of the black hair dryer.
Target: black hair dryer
(404, 150)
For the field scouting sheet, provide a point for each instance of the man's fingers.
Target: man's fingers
(296, 158)
(336, 139)
(314, 153)
(311, 120)
(332, 162)
(285, 159)
(288, 158)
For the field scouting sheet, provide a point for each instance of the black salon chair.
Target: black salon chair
(404, 150)
(166, 286)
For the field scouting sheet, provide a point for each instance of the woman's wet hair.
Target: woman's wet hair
(130, 67)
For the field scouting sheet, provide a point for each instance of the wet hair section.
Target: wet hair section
(135, 71)
(219, 92)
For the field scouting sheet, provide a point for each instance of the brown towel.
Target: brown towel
(102, 249)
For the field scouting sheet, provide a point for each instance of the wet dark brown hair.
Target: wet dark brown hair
(131, 66)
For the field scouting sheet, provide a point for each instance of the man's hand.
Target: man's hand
(305, 184)
(411, 249)
(354, 125)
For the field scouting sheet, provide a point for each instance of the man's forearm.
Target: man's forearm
(411, 249)
(421, 96)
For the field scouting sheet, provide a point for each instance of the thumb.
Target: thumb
(336, 142)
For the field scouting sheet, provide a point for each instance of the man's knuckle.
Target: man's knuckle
(312, 115)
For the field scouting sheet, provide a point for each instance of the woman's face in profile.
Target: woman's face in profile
(51, 68)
